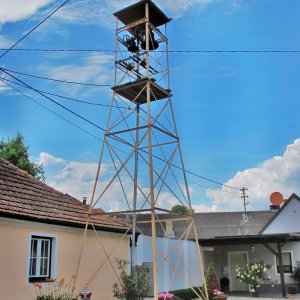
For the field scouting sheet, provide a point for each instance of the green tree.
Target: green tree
(16, 152)
(180, 209)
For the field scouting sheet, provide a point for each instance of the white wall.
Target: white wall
(288, 219)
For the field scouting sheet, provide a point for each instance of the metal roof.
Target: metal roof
(137, 11)
(211, 225)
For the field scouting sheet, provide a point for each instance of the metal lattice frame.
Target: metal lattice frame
(141, 141)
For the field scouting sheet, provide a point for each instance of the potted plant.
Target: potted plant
(219, 295)
(254, 274)
(292, 291)
(296, 275)
(53, 289)
(133, 286)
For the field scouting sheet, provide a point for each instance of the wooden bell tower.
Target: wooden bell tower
(141, 138)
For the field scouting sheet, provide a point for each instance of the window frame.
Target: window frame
(290, 271)
(52, 263)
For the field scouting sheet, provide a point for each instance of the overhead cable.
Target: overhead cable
(48, 109)
(49, 98)
(34, 28)
(57, 80)
(170, 51)
(69, 98)
(83, 118)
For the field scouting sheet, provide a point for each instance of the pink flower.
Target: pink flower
(165, 296)
(217, 292)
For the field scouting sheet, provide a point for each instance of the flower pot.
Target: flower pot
(220, 297)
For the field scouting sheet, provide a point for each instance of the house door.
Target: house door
(237, 258)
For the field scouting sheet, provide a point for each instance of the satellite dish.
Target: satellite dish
(276, 198)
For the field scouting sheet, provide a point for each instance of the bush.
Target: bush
(296, 275)
(254, 274)
(292, 290)
(212, 282)
(131, 286)
(187, 294)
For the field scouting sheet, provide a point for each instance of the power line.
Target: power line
(207, 179)
(88, 121)
(68, 98)
(57, 80)
(170, 51)
(34, 28)
(48, 109)
(57, 103)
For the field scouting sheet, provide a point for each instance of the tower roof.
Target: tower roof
(137, 11)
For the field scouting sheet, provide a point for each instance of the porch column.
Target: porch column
(279, 255)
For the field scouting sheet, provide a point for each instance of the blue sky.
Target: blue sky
(237, 113)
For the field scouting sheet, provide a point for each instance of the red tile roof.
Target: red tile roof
(23, 196)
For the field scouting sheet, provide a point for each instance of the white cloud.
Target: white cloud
(77, 179)
(93, 68)
(69, 177)
(17, 10)
(204, 208)
(179, 7)
(280, 173)
(99, 12)
(4, 87)
(5, 42)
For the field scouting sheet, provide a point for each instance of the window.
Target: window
(286, 262)
(41, 258)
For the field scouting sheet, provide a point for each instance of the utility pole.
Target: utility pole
(243, 190)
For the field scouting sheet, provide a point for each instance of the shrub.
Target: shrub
(254, 274)
(292, 290)
(296, 275)
(212, 282)
(132, 286)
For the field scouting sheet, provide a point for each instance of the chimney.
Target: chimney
(274, 207)
(84, 200)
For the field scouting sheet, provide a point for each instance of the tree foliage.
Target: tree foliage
(16, 152)
(180, 209)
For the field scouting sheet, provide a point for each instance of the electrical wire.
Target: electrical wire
(170, 51)
(258, 200)
(88, 121)
(48, 109)
(57, 103)
(34, 28)
(56, 80)
(69, 98)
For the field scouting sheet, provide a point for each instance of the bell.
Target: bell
(153, 44)
(129, 42)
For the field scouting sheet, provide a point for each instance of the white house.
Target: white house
(228, 239)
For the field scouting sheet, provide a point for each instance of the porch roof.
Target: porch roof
(248, 239)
